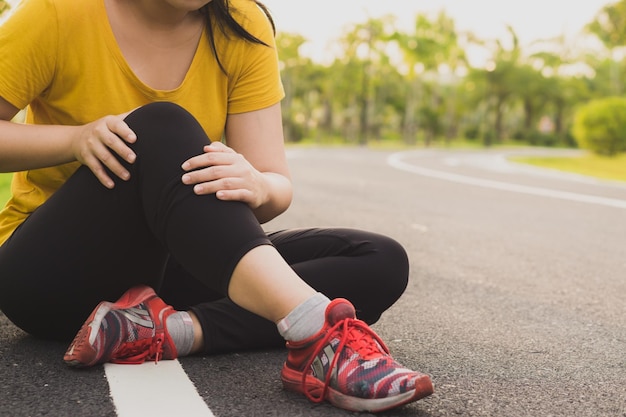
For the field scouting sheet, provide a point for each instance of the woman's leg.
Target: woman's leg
(241, 263)
(219, 243)
(85, 244)
(323, 337)
(369, 269)
(88, 243)
(344, 362)
(223, 246)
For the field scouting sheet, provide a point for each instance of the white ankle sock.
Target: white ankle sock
(305, 320)
(180, 328)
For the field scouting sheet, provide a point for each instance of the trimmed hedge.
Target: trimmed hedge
(600, 126)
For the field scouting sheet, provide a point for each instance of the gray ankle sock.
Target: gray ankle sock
(180, 327)
(305, 320)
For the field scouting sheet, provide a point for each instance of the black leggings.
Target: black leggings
(87, 243)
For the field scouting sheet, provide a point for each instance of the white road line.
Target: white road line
(154, 390)
(395, 161)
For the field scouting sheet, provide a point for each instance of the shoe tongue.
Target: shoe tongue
(338, 310)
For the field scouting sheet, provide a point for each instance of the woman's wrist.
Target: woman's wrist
(275, 198)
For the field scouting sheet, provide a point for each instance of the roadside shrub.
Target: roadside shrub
(600, 126)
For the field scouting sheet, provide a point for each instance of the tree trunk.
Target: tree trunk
(410, 125)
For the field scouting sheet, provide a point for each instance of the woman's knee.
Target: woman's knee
(390, 262)
(386, 259)
(163, 111)
(166, 132)
(396, 259)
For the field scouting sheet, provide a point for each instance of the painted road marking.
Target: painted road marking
(154, 390)
(395, 161)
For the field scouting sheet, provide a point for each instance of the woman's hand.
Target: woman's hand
(226, 173)
(97, 143)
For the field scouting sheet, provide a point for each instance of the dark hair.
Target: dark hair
(218, 13)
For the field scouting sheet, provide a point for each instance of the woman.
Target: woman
(119, 192)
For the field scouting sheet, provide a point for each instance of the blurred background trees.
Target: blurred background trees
(418, 86)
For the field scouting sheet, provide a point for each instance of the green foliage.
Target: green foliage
(419, 85)
(4, 7)
(609, 25)
(600, 126)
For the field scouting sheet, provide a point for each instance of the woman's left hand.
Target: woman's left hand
(226, 173)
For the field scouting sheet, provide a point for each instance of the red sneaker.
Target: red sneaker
(131, 330)
(347, 364)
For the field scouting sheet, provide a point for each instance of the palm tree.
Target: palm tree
(432, 44)
(292, 67)
(562, 89)
(365, 48)
(608, 26)
(498, 80)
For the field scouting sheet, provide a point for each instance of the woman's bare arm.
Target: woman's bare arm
(258, 136)
(28, 147)
(24, 147)
(252, 167)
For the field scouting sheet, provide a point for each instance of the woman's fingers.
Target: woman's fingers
(99, 144)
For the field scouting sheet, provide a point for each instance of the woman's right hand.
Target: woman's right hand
(97, 142)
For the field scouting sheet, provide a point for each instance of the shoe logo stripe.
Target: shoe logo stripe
(138, 316)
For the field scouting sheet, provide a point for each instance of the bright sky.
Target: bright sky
(322, 21)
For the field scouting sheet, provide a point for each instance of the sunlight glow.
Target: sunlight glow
(323, 22)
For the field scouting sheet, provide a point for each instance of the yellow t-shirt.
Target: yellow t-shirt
(60, 59)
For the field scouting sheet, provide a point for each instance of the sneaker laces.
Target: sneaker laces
(353, 333)
(135, 353)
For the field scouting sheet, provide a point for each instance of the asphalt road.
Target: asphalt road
(515, 306)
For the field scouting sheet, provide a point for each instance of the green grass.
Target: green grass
(5, 188)
(608, 168)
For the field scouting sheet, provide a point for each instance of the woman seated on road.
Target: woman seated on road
(123, 190)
